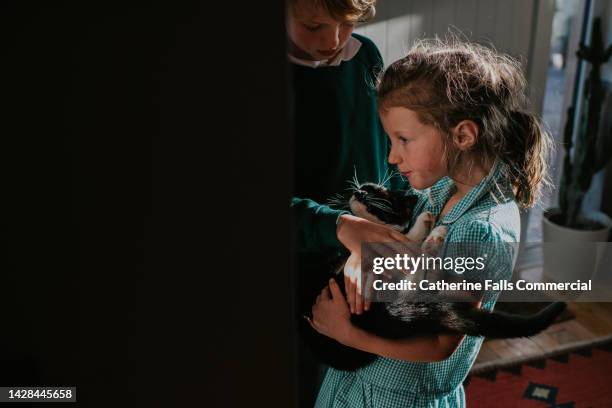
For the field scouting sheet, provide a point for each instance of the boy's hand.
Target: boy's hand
(352, 232)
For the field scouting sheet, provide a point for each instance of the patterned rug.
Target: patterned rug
(577, 377)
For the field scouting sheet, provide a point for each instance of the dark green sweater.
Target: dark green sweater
(337, 133)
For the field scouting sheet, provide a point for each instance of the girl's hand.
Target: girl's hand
(352, 232)
(330, 314)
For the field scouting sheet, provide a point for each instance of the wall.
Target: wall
(508, 24)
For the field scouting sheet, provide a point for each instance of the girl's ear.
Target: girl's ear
(465, 134)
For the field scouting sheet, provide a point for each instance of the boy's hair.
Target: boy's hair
(447, 81)
(361, 10)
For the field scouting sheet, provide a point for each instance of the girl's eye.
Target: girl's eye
(402, 139)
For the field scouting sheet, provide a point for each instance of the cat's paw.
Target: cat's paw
(422, 226)
(435, 240)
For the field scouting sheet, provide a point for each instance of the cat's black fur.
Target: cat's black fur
(403, 317)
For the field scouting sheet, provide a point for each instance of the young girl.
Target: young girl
(454, 115)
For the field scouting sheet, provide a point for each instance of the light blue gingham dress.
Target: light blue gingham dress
(487, 214)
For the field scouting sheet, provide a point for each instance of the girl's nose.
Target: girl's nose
(394, 158)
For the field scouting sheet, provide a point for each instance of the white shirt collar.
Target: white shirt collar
(348, 52)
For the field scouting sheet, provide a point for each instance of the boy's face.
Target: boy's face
(315, 35)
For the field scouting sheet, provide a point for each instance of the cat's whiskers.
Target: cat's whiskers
(353, 185)
(392, 173)
(338, 201)
(355, 179)
(378, 199)
(380, 206)
(381, 182)
(353, 188)
(395, 172)
(388, 174)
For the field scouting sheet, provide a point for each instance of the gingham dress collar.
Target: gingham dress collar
(495, 184)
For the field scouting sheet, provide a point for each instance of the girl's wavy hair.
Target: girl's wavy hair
(447, 81)
(361, 10)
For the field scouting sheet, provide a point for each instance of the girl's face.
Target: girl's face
(315, 35)
(416, 149)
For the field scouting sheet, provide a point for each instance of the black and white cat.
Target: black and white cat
(404, 317)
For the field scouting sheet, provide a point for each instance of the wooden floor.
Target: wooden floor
(593, 320)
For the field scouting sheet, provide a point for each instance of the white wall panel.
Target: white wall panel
(507, 24)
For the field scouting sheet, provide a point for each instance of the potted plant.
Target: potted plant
(583, 159)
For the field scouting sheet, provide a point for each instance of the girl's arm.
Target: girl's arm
(419, 349)
(331, 317)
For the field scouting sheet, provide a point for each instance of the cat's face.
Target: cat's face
(378, 204)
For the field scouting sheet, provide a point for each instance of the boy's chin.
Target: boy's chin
(322, 57)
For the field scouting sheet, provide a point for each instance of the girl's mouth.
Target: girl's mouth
(407, 173)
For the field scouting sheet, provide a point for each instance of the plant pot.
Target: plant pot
(571, 254)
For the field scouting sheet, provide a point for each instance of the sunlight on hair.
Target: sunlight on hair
(448, 80)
